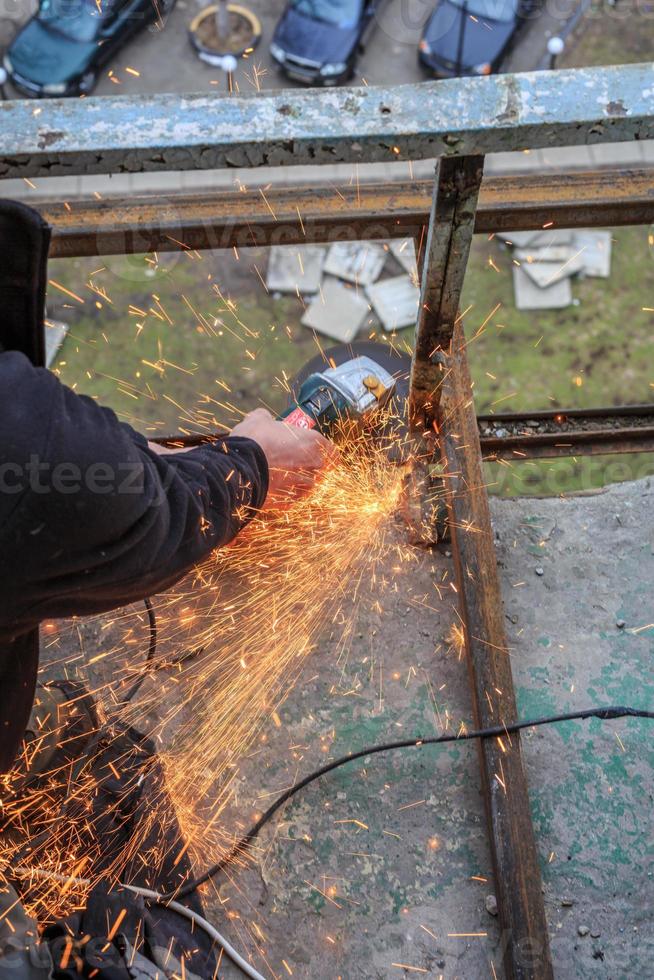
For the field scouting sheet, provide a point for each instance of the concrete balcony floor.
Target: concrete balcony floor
(384, 864)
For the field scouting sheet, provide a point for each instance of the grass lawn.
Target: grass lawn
(597, 353)
(606, 35)
(173, 348)
(169, 351)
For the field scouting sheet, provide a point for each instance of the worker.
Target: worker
(93, 516)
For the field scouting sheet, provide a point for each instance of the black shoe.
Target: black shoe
(114, 823)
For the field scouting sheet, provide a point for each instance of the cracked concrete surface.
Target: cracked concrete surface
(386, 860)
(384, 864)
(399, 900)
(582, 634)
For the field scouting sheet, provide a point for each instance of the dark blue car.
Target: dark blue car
(61, 49)
(471, 37)
(317, 41)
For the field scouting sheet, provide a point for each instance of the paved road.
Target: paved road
(166, 63)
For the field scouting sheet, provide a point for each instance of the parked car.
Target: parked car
(61, 49)
(317, 41)
(470, 37)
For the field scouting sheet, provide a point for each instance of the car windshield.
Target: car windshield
(341, 13)
(499, 10)
(78, 20)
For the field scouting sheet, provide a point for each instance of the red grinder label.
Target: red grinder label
(300, 419)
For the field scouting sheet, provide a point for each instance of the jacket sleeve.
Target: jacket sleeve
(101, 520)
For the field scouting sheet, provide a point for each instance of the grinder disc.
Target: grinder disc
(423, 504)
(392, 433)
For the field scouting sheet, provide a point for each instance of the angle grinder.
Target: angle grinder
(352, 390)
(366, 385)
(349, 386)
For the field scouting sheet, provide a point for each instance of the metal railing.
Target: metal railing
(457, 117)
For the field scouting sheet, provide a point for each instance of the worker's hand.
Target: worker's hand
(295, 456)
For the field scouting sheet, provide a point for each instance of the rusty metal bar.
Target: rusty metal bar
(577, 444)
(439, 364)
(451, 226)
(452, 117)
(222, 219)
(567, 432)
(517, 876)
(573, 199)
(440, 399)
(395, 209)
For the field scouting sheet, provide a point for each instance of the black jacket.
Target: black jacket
(91, 518)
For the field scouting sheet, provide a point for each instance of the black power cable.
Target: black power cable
(497, 731)
(152, 649)
(149, 665)
(605, 714)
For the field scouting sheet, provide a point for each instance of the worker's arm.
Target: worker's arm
(91, 517)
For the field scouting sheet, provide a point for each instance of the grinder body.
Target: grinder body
(351, 391)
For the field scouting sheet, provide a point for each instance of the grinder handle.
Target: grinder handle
(296, 416)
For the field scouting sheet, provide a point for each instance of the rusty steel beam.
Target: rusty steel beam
(440, 400)
(517, 876)
(451, 226)
(573, 199)
(223, 219)
(301, 215)
(567, 432)
(609, 443)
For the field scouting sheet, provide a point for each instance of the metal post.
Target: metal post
(440, 364)
(451, 226)
(555, 47)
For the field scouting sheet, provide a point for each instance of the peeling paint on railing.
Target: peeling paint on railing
(131, 134)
